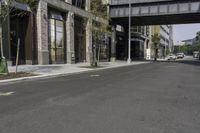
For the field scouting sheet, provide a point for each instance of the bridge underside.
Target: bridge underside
(150, 12)
(155, 12)
(161, 20)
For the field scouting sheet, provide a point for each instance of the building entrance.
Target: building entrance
(79, 39)
(20, 28)
(56, 38)
(137, 50)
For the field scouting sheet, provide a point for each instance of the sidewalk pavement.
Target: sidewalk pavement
(47, 71)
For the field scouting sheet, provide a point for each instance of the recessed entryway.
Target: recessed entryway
(56, 37)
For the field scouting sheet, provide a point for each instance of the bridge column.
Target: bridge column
(113, 44)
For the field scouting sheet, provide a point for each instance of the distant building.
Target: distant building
(190, 41)
(139, 42)
(179, 43)
(166, 38)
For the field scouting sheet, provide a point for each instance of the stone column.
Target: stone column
(87, 5)
(70, 38)
(113, 44)
(29, 41)
(42, 33)
(89, 40)
(145, 48)
(1, 36)
(68, 1)
(88, 33)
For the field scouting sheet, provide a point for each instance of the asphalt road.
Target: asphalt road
(161, 97)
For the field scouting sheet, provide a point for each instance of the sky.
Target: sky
(185, 31)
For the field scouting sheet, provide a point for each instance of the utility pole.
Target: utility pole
(129, 34)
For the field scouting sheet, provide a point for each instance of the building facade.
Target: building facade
(166, 39)
(179, 43)
(190, 41)
(56, 32)
(139, 42)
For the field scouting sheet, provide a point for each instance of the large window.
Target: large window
(79, 3)
(144, 30)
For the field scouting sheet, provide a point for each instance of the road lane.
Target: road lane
(160, 97)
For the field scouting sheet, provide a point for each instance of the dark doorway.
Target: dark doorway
(121, 48)
(18, 28)
(79, 3)
(137, 50)
(79, 39)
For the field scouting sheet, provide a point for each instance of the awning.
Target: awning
(21, 6)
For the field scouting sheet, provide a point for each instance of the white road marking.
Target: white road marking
(6, 93)
(94, 76)
(170, 66)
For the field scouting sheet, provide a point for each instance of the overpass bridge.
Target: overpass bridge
(151, 12)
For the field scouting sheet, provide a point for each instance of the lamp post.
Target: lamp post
(129, 34)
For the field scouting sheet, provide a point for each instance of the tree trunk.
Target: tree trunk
(17, 59)
(156, 55)
(99, 50)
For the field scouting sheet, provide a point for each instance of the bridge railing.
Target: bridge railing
(123, 2)
(151, 9)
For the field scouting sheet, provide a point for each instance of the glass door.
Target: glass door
(56, 44)
(52, 45)
(59, 41)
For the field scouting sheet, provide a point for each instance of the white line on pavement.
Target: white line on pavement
(6, 93)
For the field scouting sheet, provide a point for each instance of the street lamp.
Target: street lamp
(129, 38)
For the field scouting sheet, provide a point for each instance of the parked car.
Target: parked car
(180, 55)
(171, 57)
(196, 54)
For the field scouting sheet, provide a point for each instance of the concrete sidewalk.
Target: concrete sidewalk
(47, 71)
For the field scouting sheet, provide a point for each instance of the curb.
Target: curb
(16, 80)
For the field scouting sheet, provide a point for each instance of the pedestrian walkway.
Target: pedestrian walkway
(49, 71)
(69, 68)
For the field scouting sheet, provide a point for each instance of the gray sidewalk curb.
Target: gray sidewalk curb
(31, 78)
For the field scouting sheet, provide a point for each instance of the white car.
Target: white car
(171, 57)
(180, 55)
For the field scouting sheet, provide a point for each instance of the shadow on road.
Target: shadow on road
(187, 62)
(190, 62)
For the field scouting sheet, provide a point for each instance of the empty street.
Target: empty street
(161, 97)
